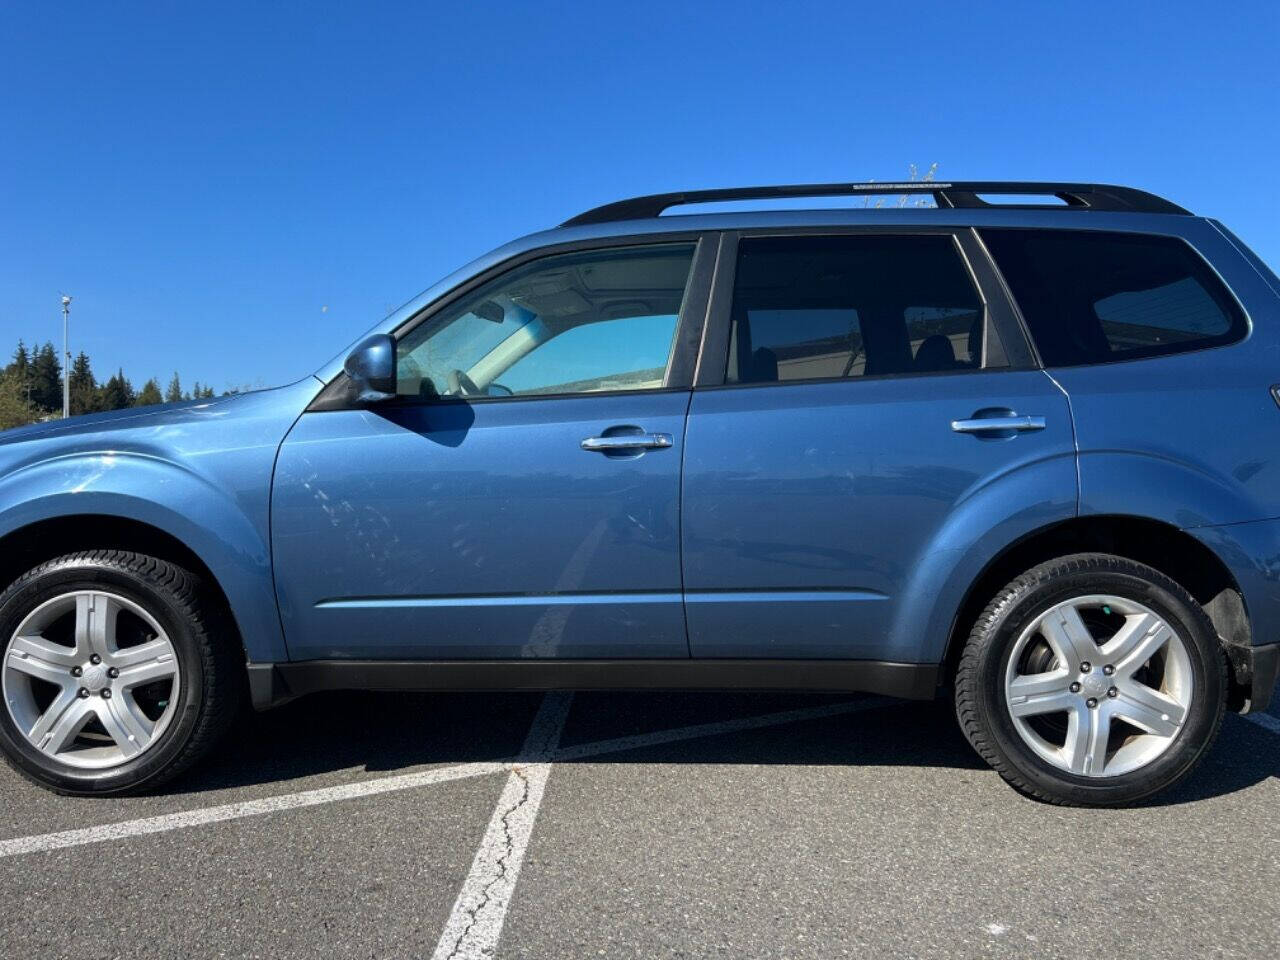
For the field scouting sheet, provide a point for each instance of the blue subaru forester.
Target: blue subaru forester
(1014, 447)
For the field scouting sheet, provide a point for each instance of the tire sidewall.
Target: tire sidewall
(83, 574)
(1026, 601)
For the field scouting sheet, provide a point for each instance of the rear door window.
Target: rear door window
(820, 308)
(1096, 297)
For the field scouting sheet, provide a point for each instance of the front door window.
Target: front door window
(595, 322)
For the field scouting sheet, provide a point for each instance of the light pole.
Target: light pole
(66, 366)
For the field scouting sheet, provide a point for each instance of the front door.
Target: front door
(520, 498)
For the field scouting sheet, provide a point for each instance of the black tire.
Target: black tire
(209, 689)
(980, 689)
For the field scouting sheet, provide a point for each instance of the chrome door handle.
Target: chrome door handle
(984, 424)
(634, 441)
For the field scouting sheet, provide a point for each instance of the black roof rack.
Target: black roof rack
(963, 195)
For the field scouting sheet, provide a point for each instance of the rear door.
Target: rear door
(855, 392)
(520, 498)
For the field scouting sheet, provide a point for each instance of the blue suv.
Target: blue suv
(1011, 448)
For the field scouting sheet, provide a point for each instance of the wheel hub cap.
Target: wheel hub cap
(94, 678)
(1095, 684)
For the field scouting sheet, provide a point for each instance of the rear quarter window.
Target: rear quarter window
(1096, 297)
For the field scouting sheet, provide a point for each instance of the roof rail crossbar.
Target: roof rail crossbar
(955, 195)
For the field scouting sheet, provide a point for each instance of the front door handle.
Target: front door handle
(632, 441)
(987, 424)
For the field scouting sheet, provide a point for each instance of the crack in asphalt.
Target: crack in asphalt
(473, 913)
(475, 925)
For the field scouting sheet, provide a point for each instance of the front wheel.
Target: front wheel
(1092, 680)
(112, 678)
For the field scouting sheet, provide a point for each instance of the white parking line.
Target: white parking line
(475, 924)
(247, 808)
(480, 911)
(408, 781)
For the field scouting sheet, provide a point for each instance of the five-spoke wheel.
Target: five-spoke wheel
(88, 678)
(1092, 679)
(1119, 685)
(116, 669)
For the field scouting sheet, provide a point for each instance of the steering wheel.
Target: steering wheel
(460, 385)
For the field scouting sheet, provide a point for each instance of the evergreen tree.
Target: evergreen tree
(149, 394)
(31, 387)
(46, 379)
(21, 364)
(117, 393)
(13, 400)
(84, 388)
(19, 382)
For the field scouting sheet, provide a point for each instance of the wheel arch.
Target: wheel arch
(28, 546)
(1172, 551)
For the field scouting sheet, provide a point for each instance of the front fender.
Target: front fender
(978, 529)
(180, 503)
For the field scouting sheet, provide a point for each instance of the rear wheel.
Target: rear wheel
(111, 679)
(1092, 679)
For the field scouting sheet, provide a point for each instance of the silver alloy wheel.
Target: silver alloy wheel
(1140, 674)
(73, 690)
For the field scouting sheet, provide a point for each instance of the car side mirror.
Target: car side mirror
(372, 368)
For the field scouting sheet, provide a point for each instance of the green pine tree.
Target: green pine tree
(149, 394)
(84, 388)
(174, 393)
(13, 400)
(21, 362)
(46, 379)
(117, 393)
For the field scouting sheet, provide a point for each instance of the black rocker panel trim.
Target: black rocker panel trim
(275, 683)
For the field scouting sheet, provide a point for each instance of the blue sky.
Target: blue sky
(236, 190)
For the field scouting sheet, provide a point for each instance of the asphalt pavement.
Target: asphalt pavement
(636, 825)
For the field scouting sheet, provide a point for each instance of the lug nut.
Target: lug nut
(112, 672)
(76, 671)
(95, 659)
(106, 694)
(1113, 692)
(1075, 688)
(1088, 703)
(1108, 669)
(1086, 667)
(83, 693)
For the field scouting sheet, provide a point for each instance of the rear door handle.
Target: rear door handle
(985, 424)
(634, 441)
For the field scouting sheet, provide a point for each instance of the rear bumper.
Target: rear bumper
(1254, 672)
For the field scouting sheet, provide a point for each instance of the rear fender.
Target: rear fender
(978, 529)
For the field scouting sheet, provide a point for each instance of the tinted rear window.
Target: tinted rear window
(1094, 297)
(818, 308)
